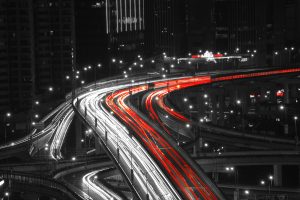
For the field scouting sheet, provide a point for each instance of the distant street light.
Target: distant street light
(247, 192)
(296, 133)
(262, 182)
(271, 181)
(50, 89)
(6, 116)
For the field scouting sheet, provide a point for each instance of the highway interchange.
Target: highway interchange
(142, 147)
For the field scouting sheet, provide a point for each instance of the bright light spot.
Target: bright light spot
(262, 182)
(121, 61)
(156, 98)
(33, 123)
(67, 77)
(281, 107)
(201, 120)
(82, 82)
(247, 192)
(190, 106)
(238, 102)
(189, 62)
(167, 116)
(205, 95)
(73, 158)
(37, 102)
(141, 65)
(188, 125)
(36, 116)
(8, 114)
(172, 66)
(50, 89)
(164, 76)
(227, 168)
(46, 148)
(6, 194)
(2, 182)
(99, 65)
(113, 60)
(295, 117)
(185, 99)
(152, 61)
(12, 144)
(82, 140)
(206, 144)
(271, 177)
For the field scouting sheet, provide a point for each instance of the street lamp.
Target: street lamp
(271, 181)
(262, 182)
(296, 133)
(281, 107)
(7, 116)
(50, 89)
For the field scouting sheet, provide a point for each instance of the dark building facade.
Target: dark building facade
(165, 27)
(267, 26)
(91, 37)
(125, 25)
(36, 49)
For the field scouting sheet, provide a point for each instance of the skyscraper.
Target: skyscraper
(36, 49)
(125, 25)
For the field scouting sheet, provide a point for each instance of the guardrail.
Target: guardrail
(26, 178)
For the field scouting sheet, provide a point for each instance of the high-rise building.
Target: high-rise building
(165, 26)
(125, 25)
(54, 43)
(17, 59)
(266, 26)
(36, 49)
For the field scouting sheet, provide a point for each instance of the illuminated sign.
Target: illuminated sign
(280, 93)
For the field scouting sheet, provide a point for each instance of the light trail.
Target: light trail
(89, 180)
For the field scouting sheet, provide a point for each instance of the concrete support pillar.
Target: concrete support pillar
(244, 106)
(98, 146)
(215, 176)
(221, 98)
(236, 194)
(214, 102)
(78, 135)
(286, 101)
(198, 145)
(286, 94)
(277, 175)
